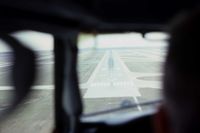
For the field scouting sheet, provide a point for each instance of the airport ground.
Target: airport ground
(108, 78)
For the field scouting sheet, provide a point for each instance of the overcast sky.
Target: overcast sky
(34, 40)
(40, 41)
(125, 40)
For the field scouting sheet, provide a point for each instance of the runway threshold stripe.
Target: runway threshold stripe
(36, 87)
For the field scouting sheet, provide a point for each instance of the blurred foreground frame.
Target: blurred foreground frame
(64, 19)
(22, 73)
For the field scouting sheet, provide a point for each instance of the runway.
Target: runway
(108, 78)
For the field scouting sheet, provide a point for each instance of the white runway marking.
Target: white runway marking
(111, 78)
(137, 102)
(5, 64)
(37, 87)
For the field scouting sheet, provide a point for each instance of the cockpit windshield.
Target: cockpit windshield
(119, 70)
(115, 71)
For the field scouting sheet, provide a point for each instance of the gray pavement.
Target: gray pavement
(137, 69)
